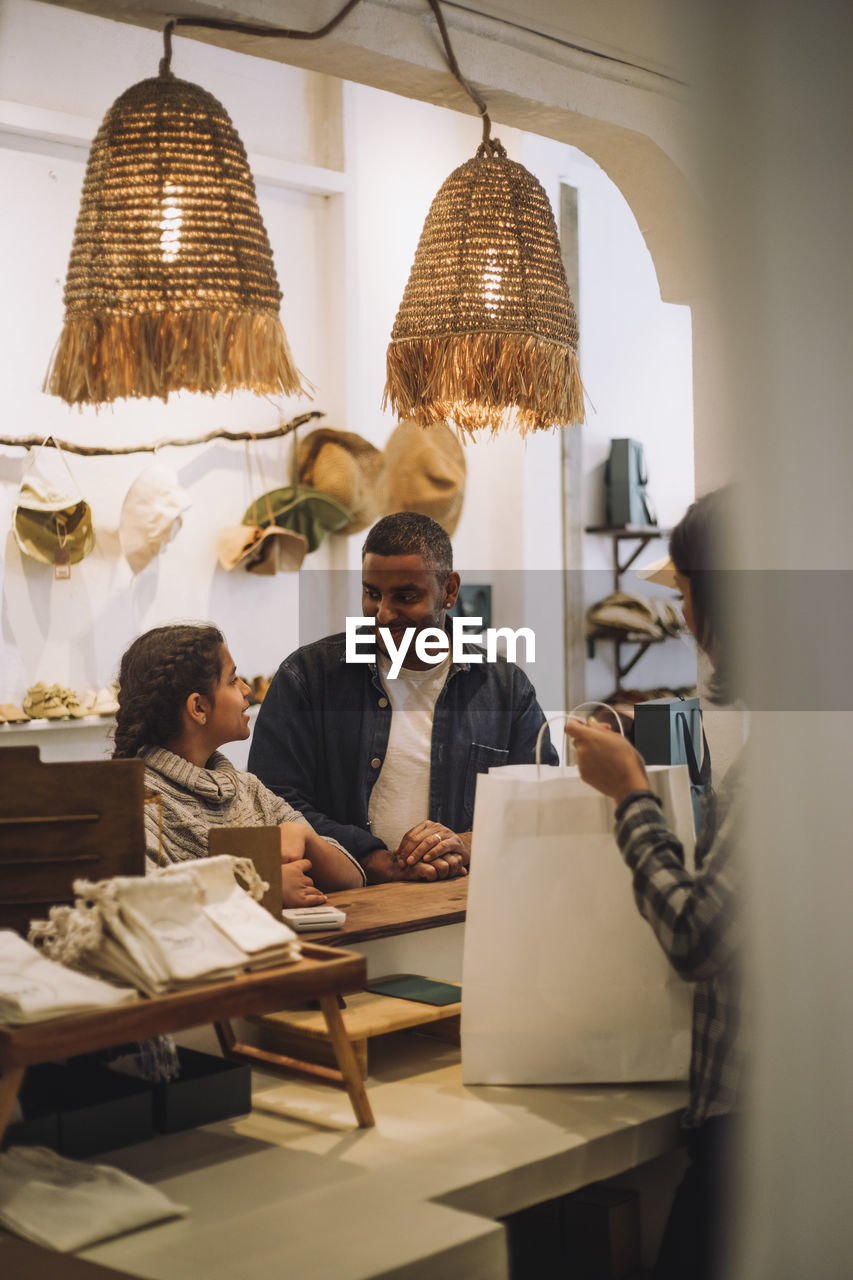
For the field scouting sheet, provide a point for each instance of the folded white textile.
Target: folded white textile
(66, 1205)
(93, 938)
(33, 988)
(234, 910)
(168, 914)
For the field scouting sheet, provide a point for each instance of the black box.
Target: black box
(97, 1109)
(101, 1110)
(39, 1126)
(208, 1089)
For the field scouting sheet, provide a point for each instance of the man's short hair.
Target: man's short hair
(408, 533)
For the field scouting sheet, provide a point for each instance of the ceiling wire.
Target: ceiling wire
(288, 33)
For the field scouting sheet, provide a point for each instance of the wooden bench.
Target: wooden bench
(62, 821)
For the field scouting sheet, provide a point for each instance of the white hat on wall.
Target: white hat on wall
(151, 514)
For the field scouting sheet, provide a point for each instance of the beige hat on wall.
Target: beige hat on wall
(151, 514)
(346, 466)
(425, 472)
(263, 551)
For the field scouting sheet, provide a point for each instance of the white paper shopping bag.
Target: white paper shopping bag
(563, 981)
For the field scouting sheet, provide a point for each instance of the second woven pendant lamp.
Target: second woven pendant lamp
(171, 284)
(486, 334)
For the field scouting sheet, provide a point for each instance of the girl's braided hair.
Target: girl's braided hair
(157, 674)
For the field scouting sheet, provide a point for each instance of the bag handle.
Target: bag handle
(34, 454)
(699, 774)
(569, 715)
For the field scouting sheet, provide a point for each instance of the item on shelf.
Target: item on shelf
(47, 702)
(10, 714)
(425, 472)
(626, 614)
(661, 571)
(625, 478)
(346, 466)
(100, 702)
(260, 686)
(151, 515)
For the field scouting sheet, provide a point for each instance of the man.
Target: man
(388, 766)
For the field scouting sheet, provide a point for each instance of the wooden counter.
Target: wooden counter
(387, 910)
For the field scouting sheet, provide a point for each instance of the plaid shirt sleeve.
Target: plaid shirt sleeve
(693, 915)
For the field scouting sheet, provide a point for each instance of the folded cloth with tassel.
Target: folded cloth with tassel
(174, 928)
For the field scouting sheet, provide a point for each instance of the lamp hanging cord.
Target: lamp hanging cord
(247, 29)
(489, 145)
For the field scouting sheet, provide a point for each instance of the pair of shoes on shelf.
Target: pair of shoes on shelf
(100, 702)
(10, 714)
(55, 702)
(260, 684)
(47, 702)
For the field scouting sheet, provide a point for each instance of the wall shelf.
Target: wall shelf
(642, 535)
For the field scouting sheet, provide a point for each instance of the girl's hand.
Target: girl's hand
(297, 887)
(606, 760)
(294, 837)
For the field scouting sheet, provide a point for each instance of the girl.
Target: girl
(179, 700)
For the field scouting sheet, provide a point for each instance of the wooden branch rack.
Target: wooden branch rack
(92, 451)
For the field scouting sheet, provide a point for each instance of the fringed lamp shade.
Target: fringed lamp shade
(171, 283)
(486, 334)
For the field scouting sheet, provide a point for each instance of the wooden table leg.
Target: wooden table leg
(347, 1062)
(10, 1083)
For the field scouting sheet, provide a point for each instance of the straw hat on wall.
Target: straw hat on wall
(346, 466)
(425, 472)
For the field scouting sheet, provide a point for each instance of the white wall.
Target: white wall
(342, 261)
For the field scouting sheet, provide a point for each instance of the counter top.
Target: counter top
(294, 1190)
(386, 910)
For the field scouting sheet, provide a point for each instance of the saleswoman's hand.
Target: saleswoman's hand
(606, 760)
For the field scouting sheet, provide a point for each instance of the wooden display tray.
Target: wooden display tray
(321, 974)
(367, 1015)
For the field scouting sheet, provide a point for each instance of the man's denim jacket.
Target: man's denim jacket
(322, 732)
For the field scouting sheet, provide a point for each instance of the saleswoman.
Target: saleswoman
(696, 917)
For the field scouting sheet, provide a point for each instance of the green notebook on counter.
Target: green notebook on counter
(411, 986)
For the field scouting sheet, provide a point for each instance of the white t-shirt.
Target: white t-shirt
(400, 795)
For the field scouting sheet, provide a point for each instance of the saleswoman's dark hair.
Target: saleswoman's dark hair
(158, 672)
(697, 546)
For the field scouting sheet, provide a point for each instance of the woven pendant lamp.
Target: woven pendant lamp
(171, 284)
(486, 334)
